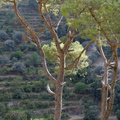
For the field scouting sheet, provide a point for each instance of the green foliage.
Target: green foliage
(2, 108)
(1, 50)
(9, 45)
(15, 116)
(117, 97)
(27, 47)
(2, 2)
(81, 88)
(118, 51)
(3, 36)
(31, 105)
(5, 70)
(96, 89)
(65, 116)
(33, 60)
(98, 70)
(118, 114)
(47, 35)
(18, 67)
(17, 54)
(36, 86)
(18, 37)
(18, 93)
(108, 51)
(52, 56)
(94, 57)
(62, 30)
(29, 114)
(91, 113)
(7, 96)
(4, 60)
(85, 75)
(45, 96)
(105, 12)
(32, 4)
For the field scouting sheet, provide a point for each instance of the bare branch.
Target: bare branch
(36, 41)
(69, 41)
(63, 83)
(58, 24)
(75, 62)
(50, 27)
(50, 91)
(99, 23)
(47, 13)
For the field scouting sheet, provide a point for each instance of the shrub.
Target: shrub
(47, 34)
(17, 93)
(44, 96)
(91, 113)
(33, 60)
(98, 70)
(43, 104)
(3, 36)
(15, 116)
(17, 37)
(32, 4)
(27, 47)
(7, 96)
(38, 86)
(9, 45)
(117, 97)
(96, 90)
(80, 88)
(5, 70)
(93, 57)
(31, 105)
(118, 114)
(4, 60)
(65, 116)
(18, 67)
(1, 50)
(29, 114)
(32, 47)
(17, 54)
(2, 108)
(14, 59)
(28, 88)
(23, 47)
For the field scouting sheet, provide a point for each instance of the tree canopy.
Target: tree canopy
(74, 52)
(92, 16)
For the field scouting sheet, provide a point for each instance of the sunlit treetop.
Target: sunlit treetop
(75, 50)
(106, 12)
(2, 2)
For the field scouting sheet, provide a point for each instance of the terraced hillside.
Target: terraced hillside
(23, 82)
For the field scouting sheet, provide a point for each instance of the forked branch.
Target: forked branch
(36, 40)
(76, 61)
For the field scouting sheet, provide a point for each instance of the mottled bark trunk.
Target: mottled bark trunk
(58, 102)
(59, 88)
(104, 94)
(104, 85)
(108, 100)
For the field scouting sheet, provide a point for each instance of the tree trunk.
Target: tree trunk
(58, 102)
(104, 93)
